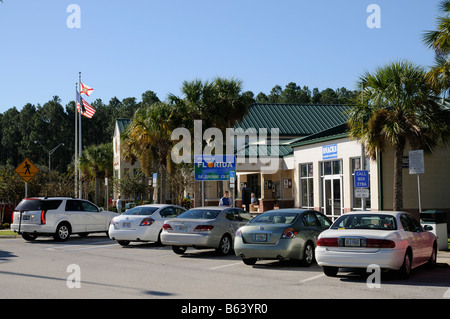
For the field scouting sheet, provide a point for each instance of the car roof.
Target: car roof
(288, 210)
(215, 207)
(376, 212)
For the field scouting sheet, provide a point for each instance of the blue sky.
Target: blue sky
(125, 48)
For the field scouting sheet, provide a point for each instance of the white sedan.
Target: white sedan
(142, 223)
(391, 240)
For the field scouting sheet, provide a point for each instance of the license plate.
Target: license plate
(25, 217)
(352, 242)
(126, 225)
(182, 228)
(260, 237)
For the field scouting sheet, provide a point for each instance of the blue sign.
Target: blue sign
(329, 151)
(362, 179)
(214, 167)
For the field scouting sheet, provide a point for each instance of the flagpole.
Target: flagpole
(76, 140)
(79, 139)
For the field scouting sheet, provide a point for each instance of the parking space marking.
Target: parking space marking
(63, 247)
(311, 278)
(223, 266)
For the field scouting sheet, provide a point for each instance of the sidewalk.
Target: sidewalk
(443, 257)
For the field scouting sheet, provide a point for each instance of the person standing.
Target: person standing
(119, 205)
(225, 200)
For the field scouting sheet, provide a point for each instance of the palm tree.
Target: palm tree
(439, 41)
(396, 107)
(97, 161)
(148, 137)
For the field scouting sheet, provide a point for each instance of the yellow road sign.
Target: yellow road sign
(26, 170)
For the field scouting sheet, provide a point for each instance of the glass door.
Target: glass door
(332, 196)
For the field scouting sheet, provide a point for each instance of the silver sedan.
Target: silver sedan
(204, 227)
(281, 234)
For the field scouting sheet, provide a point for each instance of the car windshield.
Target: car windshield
(275, 218)
(139, 210)
(200, 214)
(365, 221)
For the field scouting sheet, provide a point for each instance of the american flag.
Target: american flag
(86, 109)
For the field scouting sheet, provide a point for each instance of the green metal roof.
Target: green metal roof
(339, 131)
(294, 119)
(122, 124)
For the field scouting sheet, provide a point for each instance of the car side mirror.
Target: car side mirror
(428, 227)
(100, 209)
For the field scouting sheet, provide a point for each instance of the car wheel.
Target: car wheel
(330, 271)
(433, 258)
(224, 245)
(29, 236)
(308, 255)
(249, 261)
(123, 242)
(179, 250)
(62, 232)
(405, 269)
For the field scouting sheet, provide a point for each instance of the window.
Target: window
(73, 206)
(366, 221)
(409, 223)
(307, 185)
(88, 207)
(310, 219)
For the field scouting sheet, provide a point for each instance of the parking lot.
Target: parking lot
(97, 267)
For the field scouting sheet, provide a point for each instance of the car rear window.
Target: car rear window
(365, 221)
(141, 211)
(200, 214)
(38, 204)
(275, 218)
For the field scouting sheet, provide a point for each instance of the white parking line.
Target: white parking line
(63, 247)
(223, 266)
(311, 278)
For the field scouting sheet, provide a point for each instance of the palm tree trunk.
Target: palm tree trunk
(398, 178)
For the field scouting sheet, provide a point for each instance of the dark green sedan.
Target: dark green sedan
(281, 234)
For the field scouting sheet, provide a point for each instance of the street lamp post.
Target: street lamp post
(49, 152)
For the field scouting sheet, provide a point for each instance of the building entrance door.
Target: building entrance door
(332, 196)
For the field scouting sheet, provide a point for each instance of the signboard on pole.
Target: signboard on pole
(416, 162)
(214, 167)
(26, 170)
(362, 179)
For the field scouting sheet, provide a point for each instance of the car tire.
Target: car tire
(62, 232)
(330, 271)
(123, 243)
(249, 261)
(179, 250)
(433, 258)
(308, 255)
(29, 236)
(224, 245)
(405, 269)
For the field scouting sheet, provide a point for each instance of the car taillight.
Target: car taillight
(379, 243)
(289, 233)
(12, 217)
(203, 227)
(147, 222)
(166, 227)
(43, 215)
(327, 242)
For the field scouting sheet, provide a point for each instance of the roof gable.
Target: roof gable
(294, 119)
